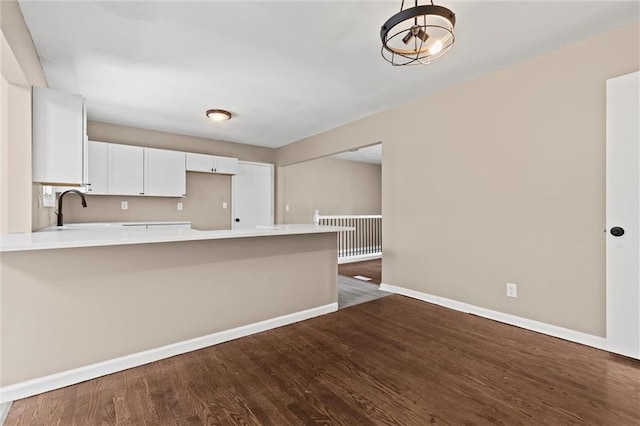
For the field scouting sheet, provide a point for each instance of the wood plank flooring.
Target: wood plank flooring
(390, 361)
(368, 268)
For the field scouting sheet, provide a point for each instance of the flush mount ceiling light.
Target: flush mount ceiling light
(417, 35)
(219, 115)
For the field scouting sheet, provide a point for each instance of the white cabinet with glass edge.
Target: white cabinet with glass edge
(59, 137)
(211, 164)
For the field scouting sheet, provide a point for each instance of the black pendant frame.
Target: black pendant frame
(415, 12)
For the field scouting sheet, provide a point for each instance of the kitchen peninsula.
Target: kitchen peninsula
(82, 302)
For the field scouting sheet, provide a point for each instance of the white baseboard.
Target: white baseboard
(537, 326)
(360, 258)
(4, 412)
(77, 375)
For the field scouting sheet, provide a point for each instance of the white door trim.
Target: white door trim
(623, 210)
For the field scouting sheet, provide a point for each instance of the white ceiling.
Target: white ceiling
(370, 154)
(286, 70)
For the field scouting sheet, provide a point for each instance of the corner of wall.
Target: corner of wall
(19, 38)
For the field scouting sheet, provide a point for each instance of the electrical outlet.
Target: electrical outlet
(124, 205)
(286, 208)
(179, 206)
(224, 204)
(512, 290)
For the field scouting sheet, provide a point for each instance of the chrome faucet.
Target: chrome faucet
(59, 212)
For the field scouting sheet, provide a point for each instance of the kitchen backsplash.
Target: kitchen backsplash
(203, 205)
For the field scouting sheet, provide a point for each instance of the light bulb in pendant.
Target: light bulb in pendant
(437, 46)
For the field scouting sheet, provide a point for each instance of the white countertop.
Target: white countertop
(113, 225)
(95, 235)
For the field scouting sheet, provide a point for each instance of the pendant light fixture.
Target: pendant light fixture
(417, 35)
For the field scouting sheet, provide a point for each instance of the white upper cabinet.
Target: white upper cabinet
(116, 169)
(211, 164)
(97, 182)
(199, 162)
(226, 165)
(132, 170)
(125, 169)
(59, 141)
(164, 173)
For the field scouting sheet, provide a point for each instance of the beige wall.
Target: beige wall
(120, 300)
(4, 159)
(20, 210)
(329, 185)
(15, 186)
(18, 140)
(202, 206)
(507, 184)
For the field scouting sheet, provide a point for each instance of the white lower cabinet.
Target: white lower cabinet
(164, 173)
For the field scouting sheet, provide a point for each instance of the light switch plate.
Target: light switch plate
(48, 196)
(179, 206)
(224, 204)
(124, 205)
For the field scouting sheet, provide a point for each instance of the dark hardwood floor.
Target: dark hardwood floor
(390, 361)
(368, 268)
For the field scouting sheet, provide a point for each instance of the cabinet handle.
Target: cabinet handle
(141, 193)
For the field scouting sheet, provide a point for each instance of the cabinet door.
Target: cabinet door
(164, 173)
(97, 168)
(125, 169)
(225, 165)
(199, 162)
(58, 137)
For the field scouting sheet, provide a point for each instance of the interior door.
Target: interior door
(623, 215)
(252, 195)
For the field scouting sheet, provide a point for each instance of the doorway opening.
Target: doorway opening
(343, 189)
